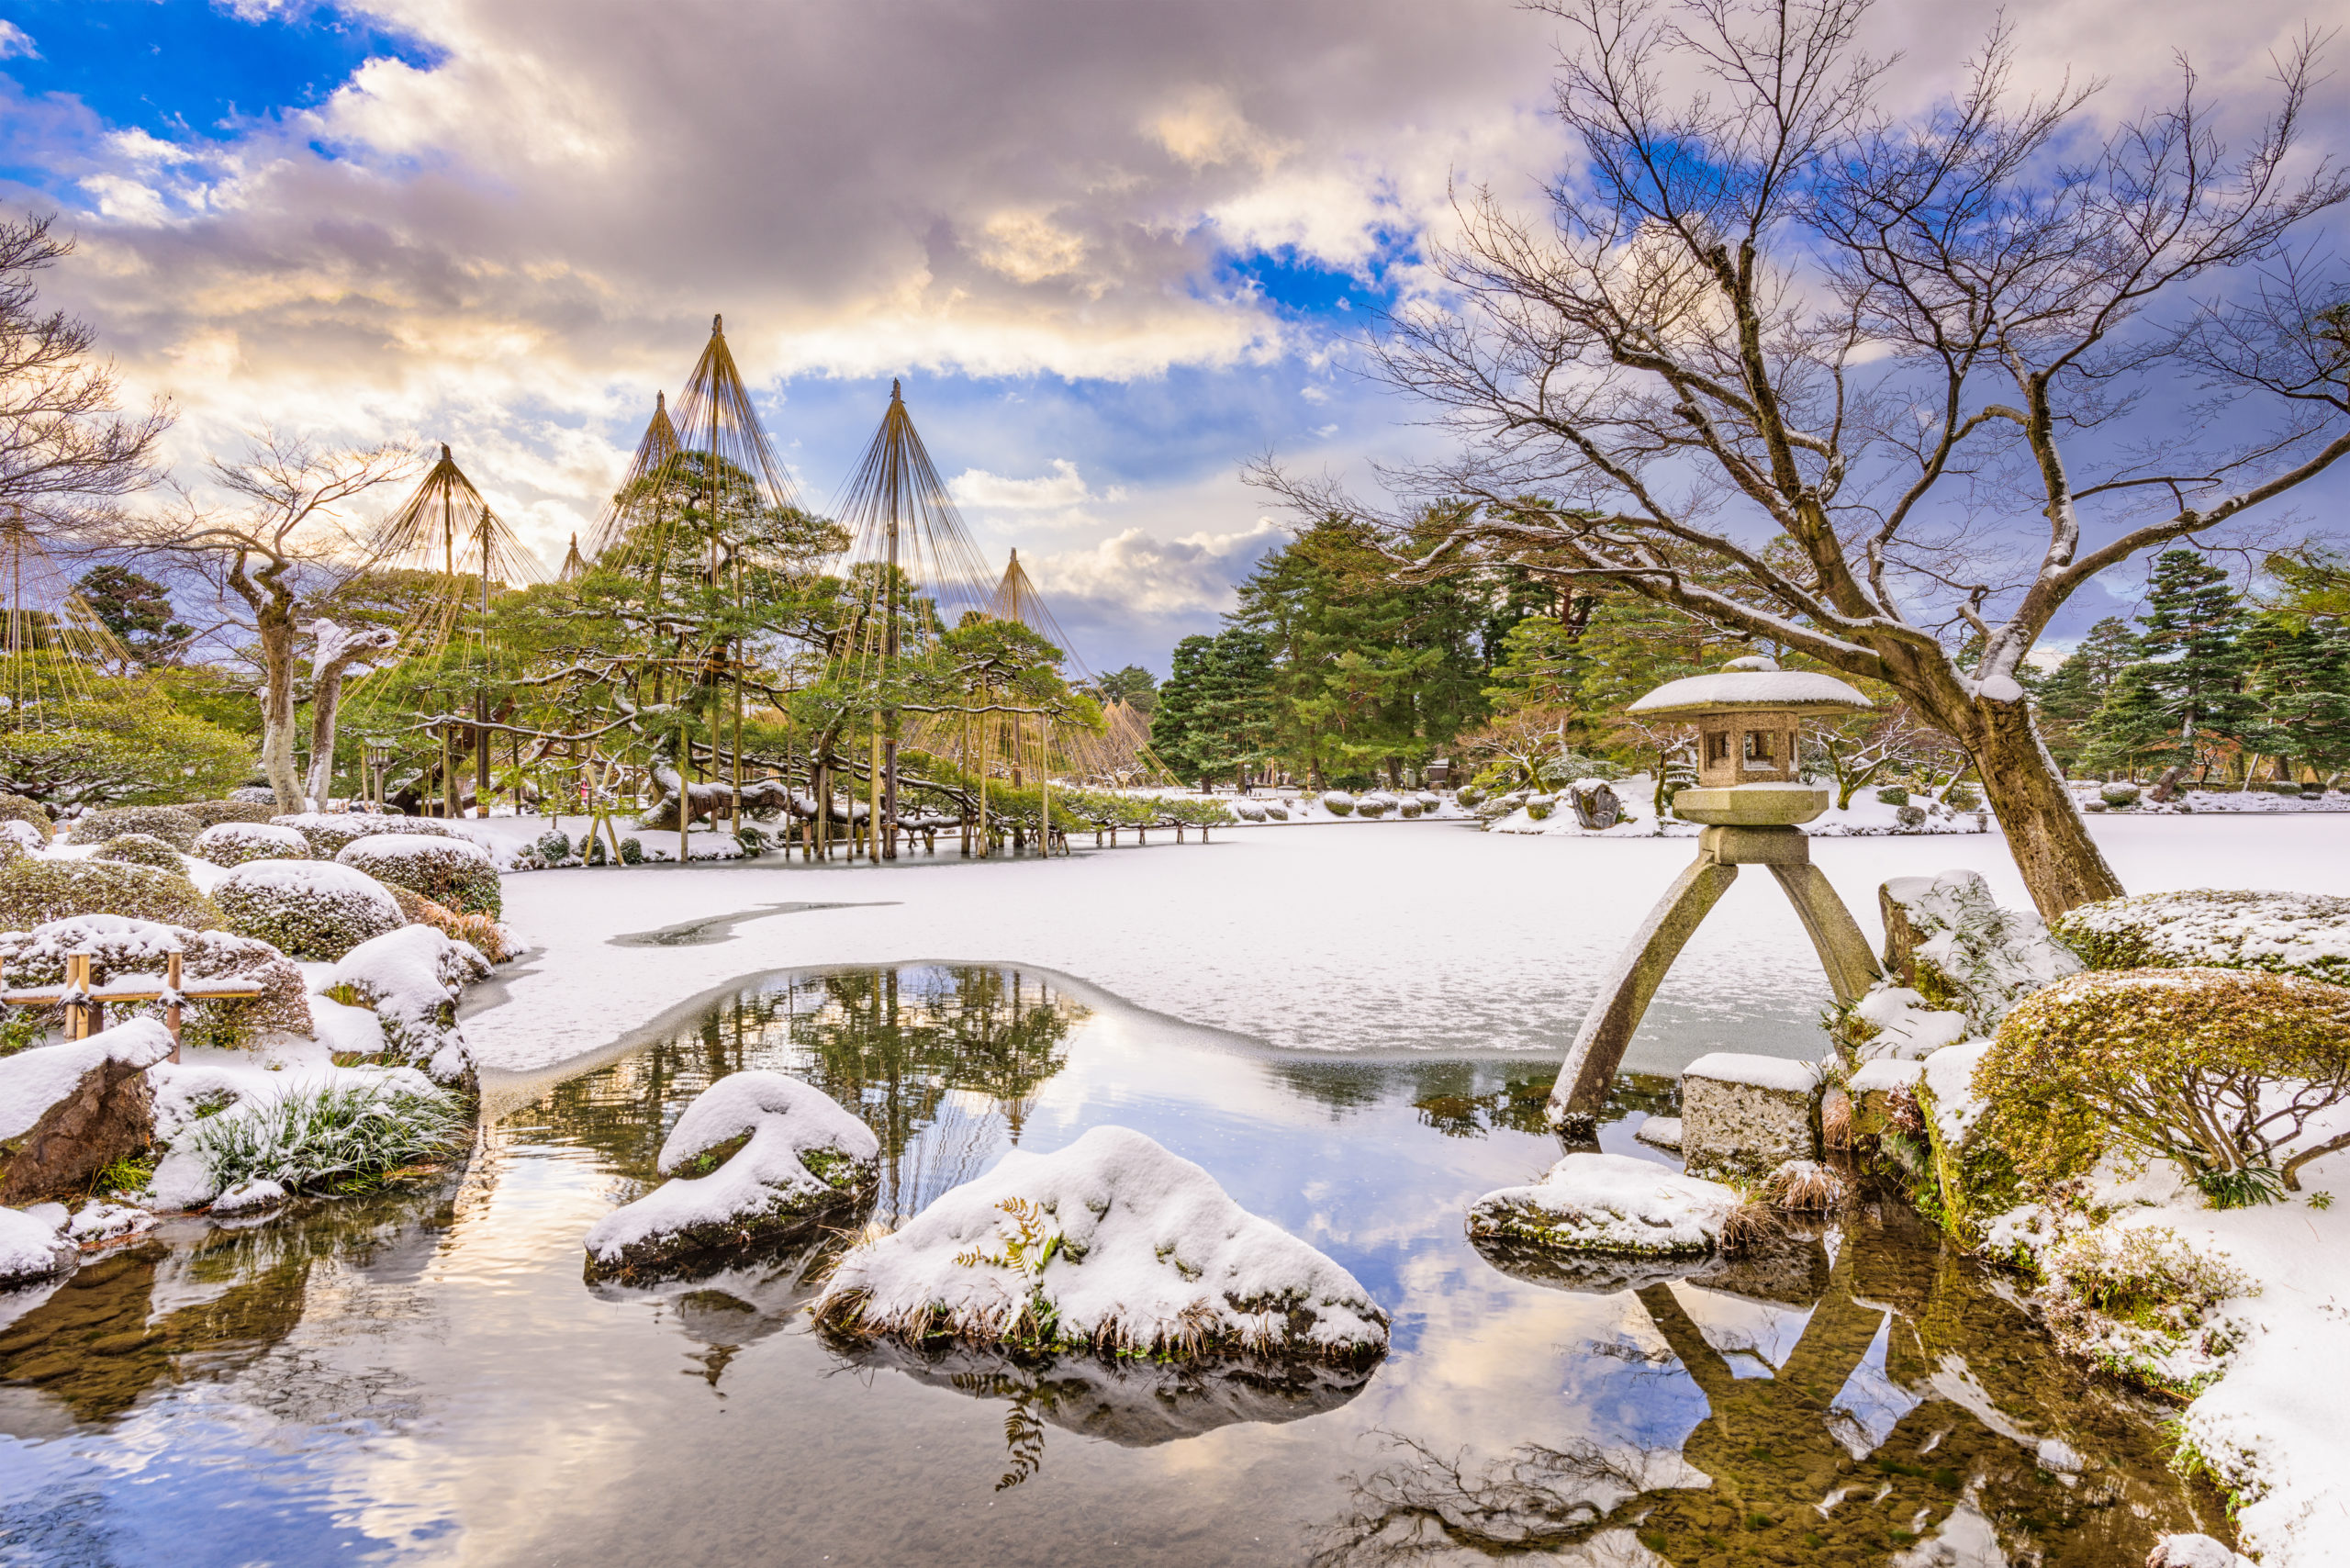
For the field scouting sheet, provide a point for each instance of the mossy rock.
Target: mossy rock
(34, 891)
(174, 826)
(144, 849)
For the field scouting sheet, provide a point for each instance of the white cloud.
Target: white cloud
(1156, 576)
(978, 489)
(16, 43)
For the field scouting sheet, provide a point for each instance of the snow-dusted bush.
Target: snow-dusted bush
(1338, 804)
(1279, 813)
(756, 1154)
(1428, 801)
(1248, 811)
(1377, 804)
(305, 908)
(172, 825)
(1610, 1203)
(1469, 797)
(211, 813)
(2118, 794)
(328, 832)
(340, 1135)
(554, 849)
(142, 849)
(1539, 807)
(2143, 1304)
(18, 808)
(632, 852)
(454, 872)
(234, 843)
(2221, 1070)
(1113, 1244)
(413, 979)
(2289, 934)
(485, 934)
(1409, 807)
(35, 892)
(1893, 795)
(118, 947)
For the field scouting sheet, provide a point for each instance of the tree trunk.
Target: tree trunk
(275, 626)
(337, 650)
(2062, 866)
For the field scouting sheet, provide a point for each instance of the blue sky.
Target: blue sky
(1113, 250)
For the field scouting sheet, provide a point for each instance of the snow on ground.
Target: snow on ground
(1397, 937)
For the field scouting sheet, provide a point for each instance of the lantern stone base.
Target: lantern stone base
(1751, 805)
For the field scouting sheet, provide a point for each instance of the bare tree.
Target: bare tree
(62, 447)
(1798, 366)
(281, 542)
(334, 652)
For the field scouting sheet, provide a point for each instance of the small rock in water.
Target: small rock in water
(32, 1248)
(1660, 1132)
(1609, 1202)
(249, 1197)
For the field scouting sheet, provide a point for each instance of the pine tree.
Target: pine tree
(1215, 715)
(2301, 680)
(2185, 696)
(2069, 697)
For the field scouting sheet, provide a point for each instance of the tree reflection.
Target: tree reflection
(1972, 1409)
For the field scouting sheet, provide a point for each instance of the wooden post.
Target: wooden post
(78, 1014)
(171, 1007)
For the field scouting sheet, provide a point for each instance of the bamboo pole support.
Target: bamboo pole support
(172, 976)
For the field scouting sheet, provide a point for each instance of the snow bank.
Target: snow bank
(32, 1248)
(1112, 1242)
(1610, 1203)
(32, 1081)
(805, 1155)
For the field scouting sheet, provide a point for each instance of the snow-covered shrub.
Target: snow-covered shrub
(340, 1135)
(119, 947)
(413, 979)
(1968, 954)
(1338, 804)
(454, 872)
(1248, 811)
(1428, 801)
(35, 892)
(2286, 934)
(1410, 807)
(2143, 1304)
(212, 813)
(486, 935)
(18, 808)
(234, 843)
(1469, 797)
(1114, 1244)
(2220, 1070)
(2119, 795)
(172, 825)
(142, 849)
(305, 908)
(554, 849)
(328, 832)
(1893, 795)
(757, 1154)
(1279, 813)
(632, 852)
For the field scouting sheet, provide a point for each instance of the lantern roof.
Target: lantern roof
(1751, 683)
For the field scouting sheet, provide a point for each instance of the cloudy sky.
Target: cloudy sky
(1113, 247)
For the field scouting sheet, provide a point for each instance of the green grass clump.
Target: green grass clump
(338, 1138)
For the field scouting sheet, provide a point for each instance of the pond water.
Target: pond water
(425, 1377)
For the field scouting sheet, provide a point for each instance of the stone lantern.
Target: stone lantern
(1751, 795)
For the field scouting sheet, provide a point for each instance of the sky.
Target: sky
(1114, 247)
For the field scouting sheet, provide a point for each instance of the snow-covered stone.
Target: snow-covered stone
(804, 1157)
(413, 978)
(1746, 1114)
(102, 1222)
(68, 1110)
(32, 1248)
(1609, 1203)
(249, 1197)
(1946, 938)
(1113, 1243)
(1660, 1132)
(2195, 1552)
(1907, 1027)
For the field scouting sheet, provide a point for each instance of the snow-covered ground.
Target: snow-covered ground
(1427, 937)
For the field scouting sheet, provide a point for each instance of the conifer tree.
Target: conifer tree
(2068, 697)
(2185, 696)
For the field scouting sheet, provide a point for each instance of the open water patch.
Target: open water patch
(426, 1377)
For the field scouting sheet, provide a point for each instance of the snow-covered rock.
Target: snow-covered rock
(1660, 1132)
(32, 1248)
(103, 1222)
(249, 1197)
(1746, 1114)
(1906, 1026)
(413, 979)
(68, 1110)
(1113, 1243)
(1946, 938)
(1610, 1203)
(804, 1157)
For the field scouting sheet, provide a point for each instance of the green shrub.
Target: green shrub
(632, 852)
(142, 849)
(35, 892)
(2286, 934)
(234, 843)
(117, 946)
(1893, 795)
(1338, 804)
(2143, 1304)
(211, 813)
(2118, 794)
(307, 910)
(172, 825)
(340, 1138)
(452, 871)
(331, 833)
(2218, 1069)
(16, 808)
(554, 849)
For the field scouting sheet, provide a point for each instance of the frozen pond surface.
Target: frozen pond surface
(426, 1378)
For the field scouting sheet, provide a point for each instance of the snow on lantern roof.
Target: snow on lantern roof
(1751, 683)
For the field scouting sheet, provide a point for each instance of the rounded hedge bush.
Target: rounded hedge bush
(120, 948)
(18, 808)
(35, 891)
(305, 908)
(2286, 934)
(144, 849)
(454, 872)
(2218, 1069)
(2118, 794)
(170, 823)
(211, 813)
(328, 832)
(1338, 804)
(234, 843)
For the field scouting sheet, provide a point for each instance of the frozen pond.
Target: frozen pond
(426, 1378)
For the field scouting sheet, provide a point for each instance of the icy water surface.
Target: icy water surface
(426, 1378)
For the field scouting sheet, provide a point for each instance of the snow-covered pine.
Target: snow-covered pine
(791, 1156)
(1113, 1244)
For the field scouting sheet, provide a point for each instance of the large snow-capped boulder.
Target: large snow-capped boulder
(1946, 938)
(33, 1247)
(1611, 1205)
(69, 1111)
(1746, 1114)
(801, 1157)
(1113, 1243)
(413, 979)
(306, 909)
